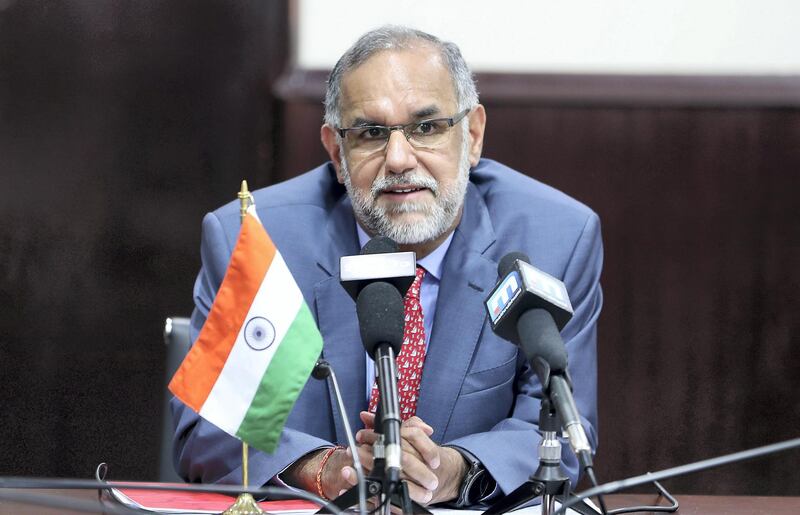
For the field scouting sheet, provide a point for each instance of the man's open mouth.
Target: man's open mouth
(403, 190)
(409, 189)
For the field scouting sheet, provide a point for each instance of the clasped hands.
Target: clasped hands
(433, 473)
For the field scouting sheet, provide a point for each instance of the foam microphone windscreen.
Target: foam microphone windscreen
(380, 316)
(539, 337)
(506, 264)
(380, 245)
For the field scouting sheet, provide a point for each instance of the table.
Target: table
(690, 504)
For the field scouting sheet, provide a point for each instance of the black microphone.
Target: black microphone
(529, 307)
(377, 279)
(381, 320)
(322, 370)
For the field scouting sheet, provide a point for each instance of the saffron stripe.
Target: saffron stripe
(278, 300)
(282, 383)
(250, 260)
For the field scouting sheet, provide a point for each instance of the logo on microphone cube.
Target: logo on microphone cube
(503, 296)
(546, 286)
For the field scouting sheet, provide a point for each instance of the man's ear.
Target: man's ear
(477, 124)
(327, 135)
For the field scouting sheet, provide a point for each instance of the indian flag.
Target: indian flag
(257, 347)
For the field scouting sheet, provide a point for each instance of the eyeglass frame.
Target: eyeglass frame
(451, 121)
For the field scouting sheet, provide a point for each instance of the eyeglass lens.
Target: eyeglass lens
(425, 134)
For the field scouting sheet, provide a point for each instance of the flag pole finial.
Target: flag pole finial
(245, 199)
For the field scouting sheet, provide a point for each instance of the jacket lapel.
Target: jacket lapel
(337, 318)
(460, 316)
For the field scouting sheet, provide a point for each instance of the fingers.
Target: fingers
(421, 480)
(418, 472)
(368, 419)
(330, 471)
(415, 421)
(366, 437)
(349, 476)
(365, 456)
(339, 474)
(417, 441)
(369, 436)
(418, 493)
(420, 454)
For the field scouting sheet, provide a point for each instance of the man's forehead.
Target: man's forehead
(398, 84)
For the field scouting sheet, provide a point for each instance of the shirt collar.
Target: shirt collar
(433, 263)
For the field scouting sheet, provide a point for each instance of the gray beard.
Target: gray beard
(438, 216)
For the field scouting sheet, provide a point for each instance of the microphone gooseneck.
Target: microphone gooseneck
(323, 370)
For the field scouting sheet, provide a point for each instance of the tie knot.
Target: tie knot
(413, 291)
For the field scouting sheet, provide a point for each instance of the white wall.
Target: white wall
(602, 36)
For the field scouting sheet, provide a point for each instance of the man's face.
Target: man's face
(412, 195)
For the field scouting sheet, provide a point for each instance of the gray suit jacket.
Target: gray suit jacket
(477, 391)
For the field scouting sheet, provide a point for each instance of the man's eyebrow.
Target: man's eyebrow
(419, 114)
(363, 122)
(426, 112)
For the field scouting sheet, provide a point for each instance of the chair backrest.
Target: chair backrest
(178, 341)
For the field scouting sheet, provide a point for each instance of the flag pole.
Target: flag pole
(245, 504)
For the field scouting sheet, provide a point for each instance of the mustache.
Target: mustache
(412, 180)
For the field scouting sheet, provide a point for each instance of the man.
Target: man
(404, 132)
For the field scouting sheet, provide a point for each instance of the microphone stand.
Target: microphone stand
(549, 480)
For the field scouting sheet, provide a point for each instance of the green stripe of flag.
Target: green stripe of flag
(282, 383)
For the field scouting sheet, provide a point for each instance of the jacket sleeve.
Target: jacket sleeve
(509, 450)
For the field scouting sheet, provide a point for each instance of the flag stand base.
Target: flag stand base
(245, 505)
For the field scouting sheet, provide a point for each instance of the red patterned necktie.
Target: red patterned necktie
(412, 354)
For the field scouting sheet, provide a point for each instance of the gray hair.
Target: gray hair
(391, 37)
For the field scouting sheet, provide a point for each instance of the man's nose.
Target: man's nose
(400, 155)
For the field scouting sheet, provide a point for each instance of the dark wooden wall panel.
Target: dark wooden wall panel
(699, 334)
(121, 124)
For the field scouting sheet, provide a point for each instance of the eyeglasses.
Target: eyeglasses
(426, 134)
